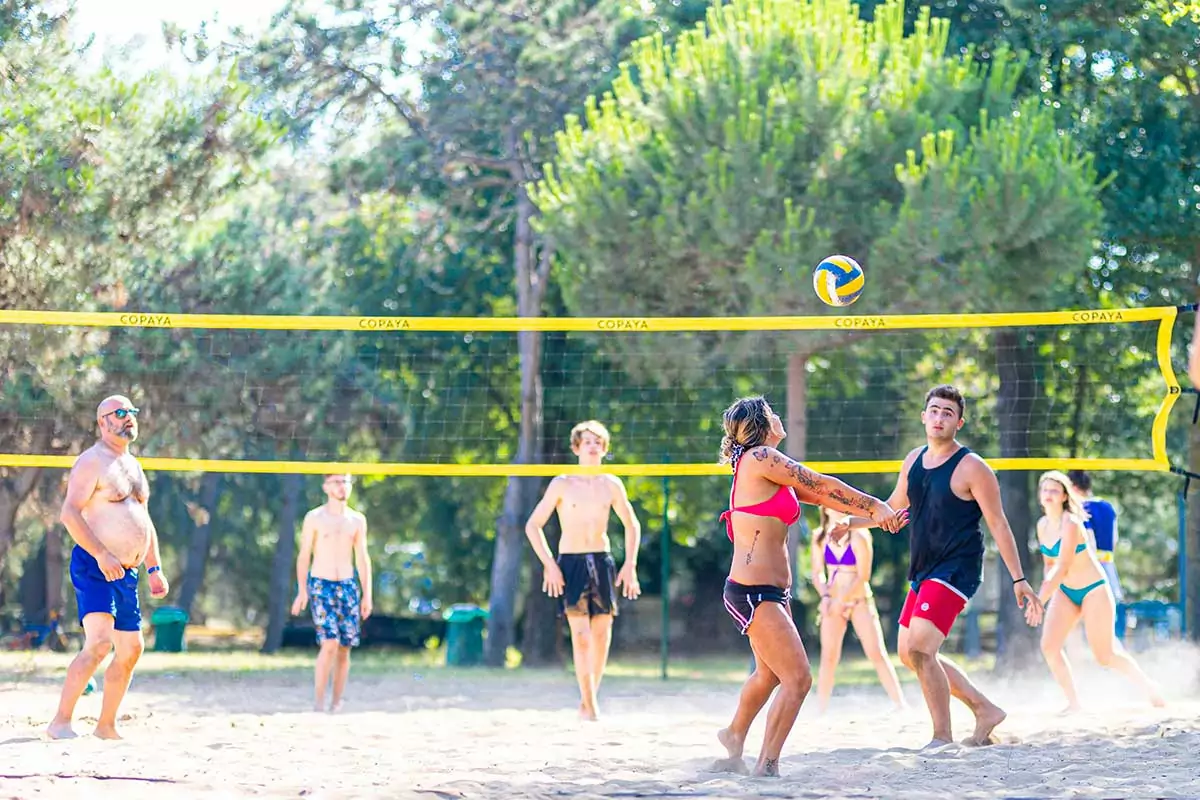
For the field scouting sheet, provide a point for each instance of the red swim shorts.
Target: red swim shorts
(936, 601)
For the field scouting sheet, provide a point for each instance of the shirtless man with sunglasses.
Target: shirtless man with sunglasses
(106, 513)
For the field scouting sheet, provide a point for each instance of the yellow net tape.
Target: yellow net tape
(1165, 315)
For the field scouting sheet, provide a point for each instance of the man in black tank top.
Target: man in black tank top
(947, 490)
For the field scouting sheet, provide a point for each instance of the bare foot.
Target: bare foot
(732, 743)
(1157, 701)
(987, 717)
(734, 765)
(936, 743)
(767, 768)
(337, 706)
(1071, 708)
(106, 732)
(587, 714)
(61, 730)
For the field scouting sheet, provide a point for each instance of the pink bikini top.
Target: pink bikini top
(783, 506)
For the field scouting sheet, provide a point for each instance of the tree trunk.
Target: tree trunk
(32, 587)
(796, 446)
(284, 564)
(55, 570)
(541, 628)
(510, 527)
(1016, 642)
(15, 485)
(199, 542)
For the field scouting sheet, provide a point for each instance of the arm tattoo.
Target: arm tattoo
(760, 453)
(862, 501)
(750, 555)
(803, 476)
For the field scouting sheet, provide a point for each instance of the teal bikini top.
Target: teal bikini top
(1052, 552)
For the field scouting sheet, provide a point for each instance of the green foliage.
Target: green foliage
(758, 144)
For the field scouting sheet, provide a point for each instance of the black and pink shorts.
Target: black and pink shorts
(742, 600)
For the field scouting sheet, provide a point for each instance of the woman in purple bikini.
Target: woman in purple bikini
(841, 573)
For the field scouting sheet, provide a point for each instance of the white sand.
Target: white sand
(481, 734)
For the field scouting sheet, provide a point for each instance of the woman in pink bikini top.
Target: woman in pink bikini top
(763, 501)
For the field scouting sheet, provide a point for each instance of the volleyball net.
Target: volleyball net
(1091, 389)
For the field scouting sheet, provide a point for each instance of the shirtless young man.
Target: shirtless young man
(585, 575)
(948, 490)
(333, 541)
(105, 512)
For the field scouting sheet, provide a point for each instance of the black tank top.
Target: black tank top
(945, 540)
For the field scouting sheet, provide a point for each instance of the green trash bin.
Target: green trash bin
(464, 635)
(169, 624)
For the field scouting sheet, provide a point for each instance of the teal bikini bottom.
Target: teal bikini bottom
(1076, 595)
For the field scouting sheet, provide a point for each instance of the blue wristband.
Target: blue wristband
(153, 570)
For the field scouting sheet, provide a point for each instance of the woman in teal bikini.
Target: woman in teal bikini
(1075, 582)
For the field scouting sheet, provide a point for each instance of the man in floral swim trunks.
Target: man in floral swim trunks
(332, 542)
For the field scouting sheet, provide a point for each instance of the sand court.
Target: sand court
(194, 729)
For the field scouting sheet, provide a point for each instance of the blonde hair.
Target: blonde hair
(593, 427)
(1074, 503)
(747, 424)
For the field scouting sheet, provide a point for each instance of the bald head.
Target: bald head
(111, 404)
(116, 417)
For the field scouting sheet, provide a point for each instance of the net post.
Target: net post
(665, 550)
(1181, 506)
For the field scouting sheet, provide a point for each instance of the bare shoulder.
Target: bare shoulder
(764, 454)
(360, 519)
(88, 458)
(89, 464)
(861, 536)
(977, 469)
(766, 460)
(911, 457)
(614, 483)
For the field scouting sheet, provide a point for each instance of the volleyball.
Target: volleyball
(838, 280)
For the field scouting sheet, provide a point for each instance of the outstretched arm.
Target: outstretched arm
(816, 487)
(898, 502)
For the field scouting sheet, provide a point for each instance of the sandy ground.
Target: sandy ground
(479, 734)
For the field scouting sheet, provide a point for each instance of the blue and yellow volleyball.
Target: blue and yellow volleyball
(838, 281)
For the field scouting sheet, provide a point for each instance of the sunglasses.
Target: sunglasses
(122, 413)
